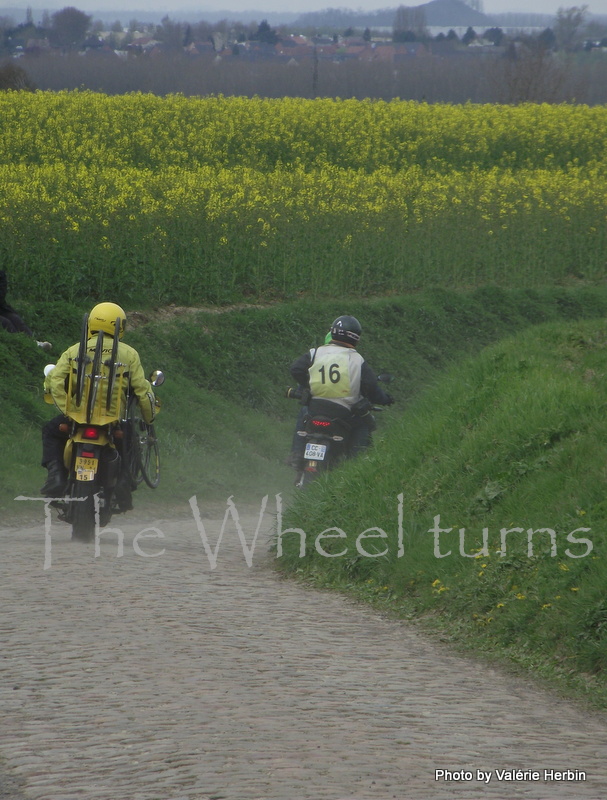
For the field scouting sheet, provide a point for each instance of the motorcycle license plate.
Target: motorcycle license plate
(86, 468)
(315, 452)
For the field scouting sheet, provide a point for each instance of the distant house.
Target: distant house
(93, 43)
(295, 50)
(384, 52)
(357, 52)
(407, 50)
(145, 44)
(199, 49)
(36, 46)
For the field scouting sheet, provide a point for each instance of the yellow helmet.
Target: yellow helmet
(103, 318)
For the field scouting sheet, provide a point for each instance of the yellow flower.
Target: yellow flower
(520, 596)
(436, 582)
(574, 589)
(500, 605)
(547, 605)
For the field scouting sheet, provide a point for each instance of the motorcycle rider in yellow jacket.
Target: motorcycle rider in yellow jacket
(102, 322)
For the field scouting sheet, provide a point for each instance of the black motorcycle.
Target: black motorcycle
(327, 430)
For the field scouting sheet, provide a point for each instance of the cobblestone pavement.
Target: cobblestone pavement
(159, 678)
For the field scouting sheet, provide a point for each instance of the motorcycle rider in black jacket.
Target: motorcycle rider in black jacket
(341, 383)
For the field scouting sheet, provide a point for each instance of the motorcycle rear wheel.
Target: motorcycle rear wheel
(83, 511)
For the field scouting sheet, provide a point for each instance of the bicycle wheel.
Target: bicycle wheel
(134, 430)
(149, 462)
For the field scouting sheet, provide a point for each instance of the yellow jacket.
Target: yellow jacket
(128, 374)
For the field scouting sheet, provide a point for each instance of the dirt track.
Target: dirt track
(159, 678)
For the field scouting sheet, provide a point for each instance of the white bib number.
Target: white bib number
(330, 375)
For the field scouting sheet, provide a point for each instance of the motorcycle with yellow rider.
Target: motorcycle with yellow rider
(103, 442)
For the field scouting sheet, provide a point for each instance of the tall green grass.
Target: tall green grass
(506, 455)
(222, 235)
(225, 427)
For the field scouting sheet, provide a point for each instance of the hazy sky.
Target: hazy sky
(171, 7)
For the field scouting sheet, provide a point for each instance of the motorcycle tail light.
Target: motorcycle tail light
(90, 433)
(320, 423)
(87, 454)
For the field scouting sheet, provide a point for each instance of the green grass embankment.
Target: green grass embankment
(491, 493)
(225, 427)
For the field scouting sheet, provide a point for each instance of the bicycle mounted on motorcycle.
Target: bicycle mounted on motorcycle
(109, 446)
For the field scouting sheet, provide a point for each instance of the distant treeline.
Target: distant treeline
(459, 78)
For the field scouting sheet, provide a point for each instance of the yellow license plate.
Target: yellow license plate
(86, 468)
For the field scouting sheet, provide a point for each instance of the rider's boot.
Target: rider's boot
(123, 493)
(294, 459)
(55, 481)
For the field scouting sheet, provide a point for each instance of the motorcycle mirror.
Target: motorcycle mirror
(385, 377)
(48, 368)
(157, 378)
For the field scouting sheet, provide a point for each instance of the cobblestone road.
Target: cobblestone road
(158, 678)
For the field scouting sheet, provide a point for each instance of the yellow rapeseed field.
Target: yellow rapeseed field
(211, 199)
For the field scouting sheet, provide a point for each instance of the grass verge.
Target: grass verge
(484, 511)
(225, 428)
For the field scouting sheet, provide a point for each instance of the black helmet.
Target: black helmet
(346, 329)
